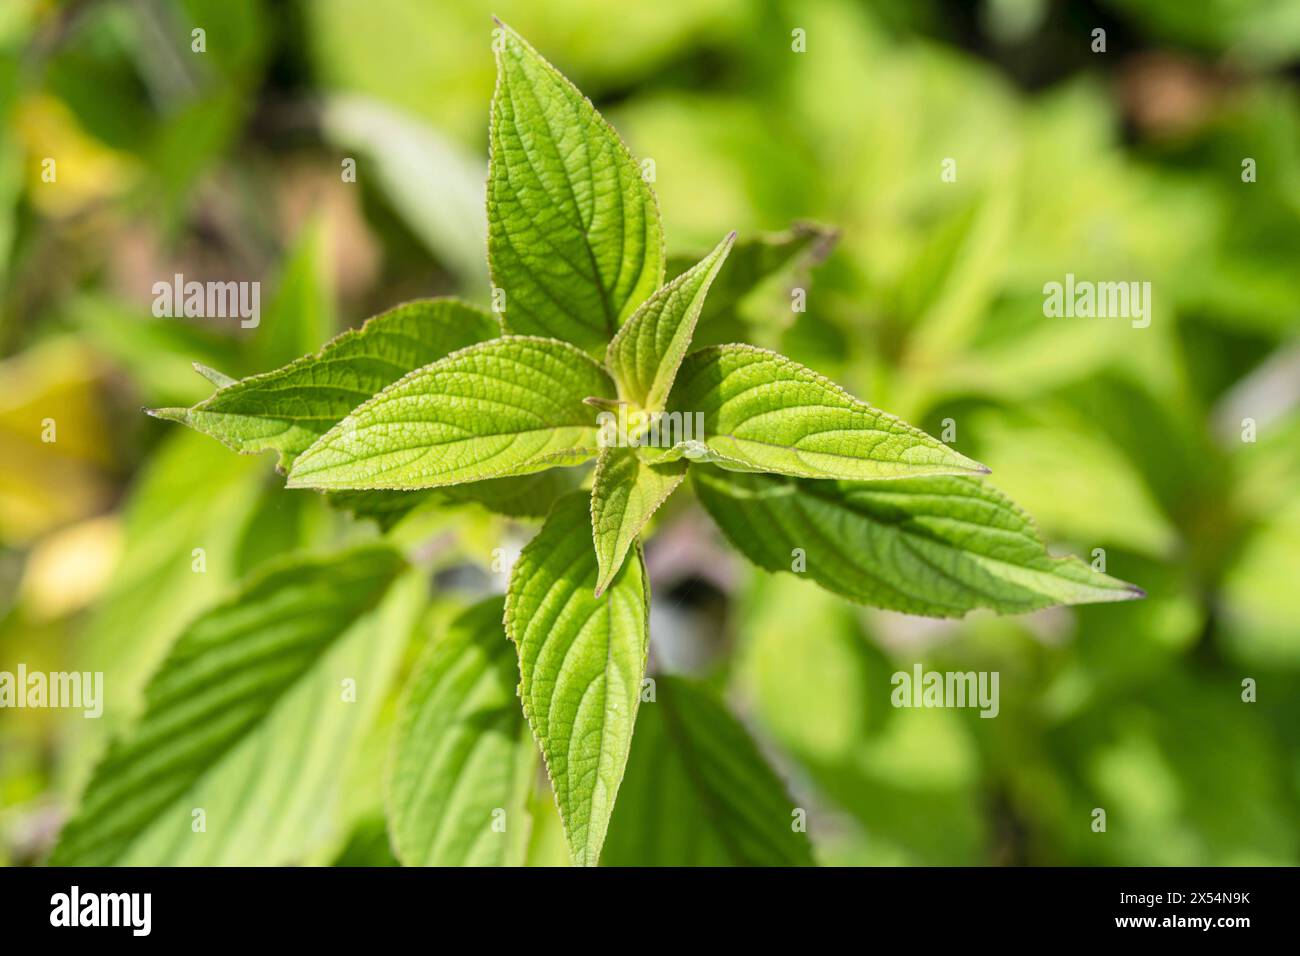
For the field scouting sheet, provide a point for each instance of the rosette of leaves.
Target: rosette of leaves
(439, 398)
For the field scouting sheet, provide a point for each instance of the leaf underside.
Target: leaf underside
(523, 496)
(938, 546)
(698, 792)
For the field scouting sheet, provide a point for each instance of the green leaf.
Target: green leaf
(462, 751)
(511, 406)
(764, 412)
(581, 660)
(645, 354)
(245, 709)
(625, 493)
(574, 236)
(192, 494)
(698, 792)
(938, 546)
(289, 408)
(752, 269)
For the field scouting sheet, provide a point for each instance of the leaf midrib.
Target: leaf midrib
(583, 228)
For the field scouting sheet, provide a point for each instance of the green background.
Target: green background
(1122, 165)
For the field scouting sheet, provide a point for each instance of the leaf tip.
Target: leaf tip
(219, 379)
(970, 466)
(180, 415)
(294, 478)
(604, 577)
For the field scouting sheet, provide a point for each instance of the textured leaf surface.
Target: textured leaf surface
(765, 412)
(625, 492)
(245, 707)
(939, 546)
(645, 354)
(698, 792)
(510, 406)
(581, 662)
(463, 751)
(289, 408)
(574, 236)
(191, 493)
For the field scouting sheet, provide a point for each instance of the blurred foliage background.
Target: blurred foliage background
(1123, 165)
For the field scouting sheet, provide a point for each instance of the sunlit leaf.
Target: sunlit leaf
(644, 356)
(763, 412)
(288, 409)
(226, 717)
(581, 660)
(464, 758)
(574, 237)
(625, 493)
(511, 406)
